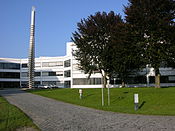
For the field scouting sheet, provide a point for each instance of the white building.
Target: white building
(63, 71)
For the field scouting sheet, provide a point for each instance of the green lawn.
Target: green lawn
(152, 101)
(11, 118)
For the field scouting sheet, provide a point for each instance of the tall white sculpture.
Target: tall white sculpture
(31, 59)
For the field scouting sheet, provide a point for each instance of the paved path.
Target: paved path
(52, 115)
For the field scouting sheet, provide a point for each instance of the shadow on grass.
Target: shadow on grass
(88, 95)
(119, 98)
(125, 92)
(142, 104)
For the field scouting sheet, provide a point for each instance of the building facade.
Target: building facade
(63, 72)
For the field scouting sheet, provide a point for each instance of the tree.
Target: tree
(126, 56)
(95, 43)
(152, 27)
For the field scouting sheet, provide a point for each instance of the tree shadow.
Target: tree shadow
(125, 92)
(142, 104)
(88, 95)
(119, 98)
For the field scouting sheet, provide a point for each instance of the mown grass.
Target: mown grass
(152, 101)
(11, 118)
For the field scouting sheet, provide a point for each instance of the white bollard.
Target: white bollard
(81, 93)
(136, 102)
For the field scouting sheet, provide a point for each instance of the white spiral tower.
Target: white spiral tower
(31, 59)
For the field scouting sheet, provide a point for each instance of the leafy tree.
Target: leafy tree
(152, 27)
(95, 42)
(125, 54)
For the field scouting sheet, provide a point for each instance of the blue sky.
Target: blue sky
(56, 20)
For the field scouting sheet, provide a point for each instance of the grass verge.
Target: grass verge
(152, 101)
(12, 118)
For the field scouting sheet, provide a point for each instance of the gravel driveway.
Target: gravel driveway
(52, 115)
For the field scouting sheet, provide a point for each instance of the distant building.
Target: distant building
(63, 72)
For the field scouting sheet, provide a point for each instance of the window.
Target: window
(54, 83)
(24, 74)
(1, 65)
(86, 81)
(67, 84)
(171, 78)
(152, 79)
(37, 73)
(67, 73)
(164, 79)
(52, 73)
(24, 65)
(9, 84)
(14, 75)
(52, 64)
(24, 83)
(36, 83)
(45, 73)
(59, 73)
(67, 63)
(9, 66)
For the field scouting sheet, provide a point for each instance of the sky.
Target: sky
(56, 20)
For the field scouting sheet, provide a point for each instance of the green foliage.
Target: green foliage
(12, 118)
(152, 24)
(103, 43)
(94, 43)
(152, 101)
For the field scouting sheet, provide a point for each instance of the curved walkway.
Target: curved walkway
(52, 115)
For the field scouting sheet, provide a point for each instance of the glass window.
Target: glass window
(171, 78)
(67, 63)
(24, 74)
(24, 65)
(14, 75)
(24, 83)
(52, 73)
(53, 83)
(36, 83)
(37, 73)
(9, 84)
(67, 73)
(67, 84)
(45, 73)
(86, 81)
(59, 73)
(52, 64)
(9, 66)
(1, 65)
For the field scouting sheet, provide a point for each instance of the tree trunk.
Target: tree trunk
(104, 80)
(157, 78)
(123, 84)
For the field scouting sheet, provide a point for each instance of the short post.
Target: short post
(136, 102)
(102, 96)
(108, 91)
(81, 93)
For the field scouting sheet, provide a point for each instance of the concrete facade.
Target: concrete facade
(63, 72)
